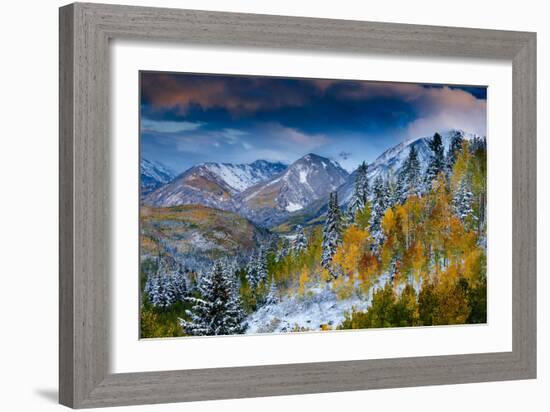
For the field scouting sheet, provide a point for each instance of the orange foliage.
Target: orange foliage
(355, 242)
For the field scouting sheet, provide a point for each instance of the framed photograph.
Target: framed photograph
(257, 205)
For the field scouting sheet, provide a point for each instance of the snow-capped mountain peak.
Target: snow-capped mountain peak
(213, 184)
(153, 175)
(307, 179)
(241, 176)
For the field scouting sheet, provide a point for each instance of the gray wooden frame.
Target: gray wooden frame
(85, 31)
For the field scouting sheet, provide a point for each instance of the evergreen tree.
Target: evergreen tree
(437, 161)
(179, 284)
(300, 242)
(409, 177)
(252, 271)
(332, 235)
(478, 144)
(261, 264)
(219, 310)
(380, 202)
(360, 192)
(168, 284)
(454, 149)
(257, 269)
(230, 268)
(463, 200)
(272, 297)
(160, 290)
(391, 189)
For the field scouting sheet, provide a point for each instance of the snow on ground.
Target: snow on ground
(319, 306)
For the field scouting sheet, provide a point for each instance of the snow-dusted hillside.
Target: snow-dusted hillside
(212, 184)
(391, 160)
(242, 176)
(153, 175)
(320, 306)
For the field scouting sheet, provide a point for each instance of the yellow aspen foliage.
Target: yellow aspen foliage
(388, 222)
(369, 270)
(325, 275)
(303, 280)
(362, 217)
(355, 242)
(439, 219)
(461, 166)
(402, 220)
(416, 258)
(450, 275)
(474, 266)
(390, 244)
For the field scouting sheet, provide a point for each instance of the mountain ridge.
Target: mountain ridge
(212, 184)
(307, 179)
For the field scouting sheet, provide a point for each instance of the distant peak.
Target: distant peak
(312, 157)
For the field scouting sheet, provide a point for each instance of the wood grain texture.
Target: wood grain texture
(85, 31)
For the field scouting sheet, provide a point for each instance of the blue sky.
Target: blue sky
(187, 119)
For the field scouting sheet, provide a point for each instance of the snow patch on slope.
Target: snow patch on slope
(292, 207)
(303, 176)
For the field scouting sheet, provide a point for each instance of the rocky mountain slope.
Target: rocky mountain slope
(212, 184)
(309, 178)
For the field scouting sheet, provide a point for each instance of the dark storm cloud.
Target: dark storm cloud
(238, 118)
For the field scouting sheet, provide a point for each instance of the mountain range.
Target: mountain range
(213, 184)
(273, 194)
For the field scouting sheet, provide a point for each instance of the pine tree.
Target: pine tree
(437, 161)
(478, 144)
(391, 189)
(380, 202)
(272, 297)
(168, 284)
(261, 264)
(454, 149)
(409, 177)
(331, 233)
(300, 242)
(219, 310)
(252, 272)
(360, 192)
(160, 290)
(179, 284)
(463, 200)
(257, 269)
